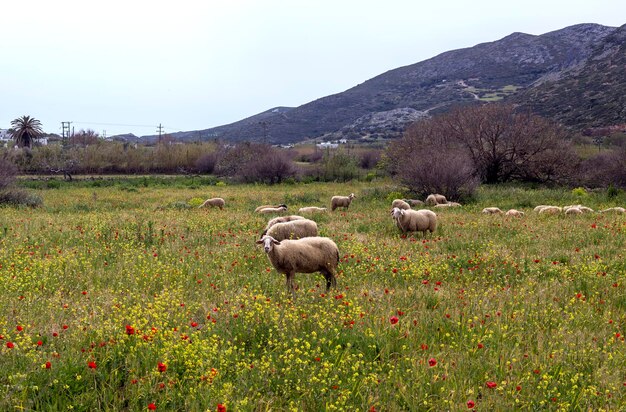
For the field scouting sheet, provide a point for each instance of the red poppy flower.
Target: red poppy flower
(130, 330)
(48, 365)
(10, 345)
(480, 346)
(92, 365)
(470, 404)
(39, 343)
(491, 384)
(162, 367)
(393, 320)
(151, 407)
(19, 328)
(432, 362)
(221, 408)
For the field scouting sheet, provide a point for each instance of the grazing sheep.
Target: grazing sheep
(492, 211)
(449, 204)
(280, 219)
(273, 210)
(436, 199)
(514, 213)
(573, 211)
(422, 220)
(306, 255)
(538, 208)
(618, 209)
(295, 229)
(312, 209)
(582, 208)
(258, 209)
(414, 202)
(341, 201)
(214, 201)
(550, 210)
(400, 204)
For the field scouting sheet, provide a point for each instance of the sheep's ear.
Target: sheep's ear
(259, 242)
(276, 242)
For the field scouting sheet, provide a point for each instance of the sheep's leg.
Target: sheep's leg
(290, 283)
(330, 279)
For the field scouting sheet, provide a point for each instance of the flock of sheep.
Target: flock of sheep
(293, 245)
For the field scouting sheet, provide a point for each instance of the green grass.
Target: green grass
(535, 303)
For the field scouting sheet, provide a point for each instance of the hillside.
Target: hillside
(523, 66)
(589, 95)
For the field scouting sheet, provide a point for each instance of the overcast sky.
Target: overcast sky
(126, 66)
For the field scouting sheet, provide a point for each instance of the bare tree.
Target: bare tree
(498, 144)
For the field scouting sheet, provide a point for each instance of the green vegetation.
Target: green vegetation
(115, 299)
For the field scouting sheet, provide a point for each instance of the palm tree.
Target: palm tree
(24, 130)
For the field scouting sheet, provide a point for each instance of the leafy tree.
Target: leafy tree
(24, 130)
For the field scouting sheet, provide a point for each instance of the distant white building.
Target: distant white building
(5, 137)
(327, 145)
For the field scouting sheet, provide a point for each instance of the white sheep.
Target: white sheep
(258, 209)
(280, 219)
(447, 205)
(514, 213)
(306, 255)
(422, 220)
(214, 201)
(312, 209)
(550, 210)
(436, 199)
(538, 208)
(341, 201)
(267, 210)
(492, 211)
(400, 204)
(573, 211)
(414, 202)
(295, 229)
(617, 209)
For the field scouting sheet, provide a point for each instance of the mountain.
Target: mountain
(562, 74)
(589, 95)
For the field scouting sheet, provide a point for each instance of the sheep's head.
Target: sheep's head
(396, 212)
(352, 196)
(268, 243)
(283, 205)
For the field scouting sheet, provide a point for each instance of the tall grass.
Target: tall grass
(115, 299)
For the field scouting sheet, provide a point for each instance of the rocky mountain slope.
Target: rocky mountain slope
(546, 72)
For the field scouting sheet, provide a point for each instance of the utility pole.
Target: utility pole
(160, 130)
(104, 134)
(65, 131)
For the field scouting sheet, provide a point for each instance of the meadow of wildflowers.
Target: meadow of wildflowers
(117, 299)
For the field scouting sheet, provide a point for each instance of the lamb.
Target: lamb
(400, 204)
(312, 209)
(296, 229)
(341, 201)
(279, 209)
(492, 211)
(618, 209)
(280, 219)
(258, 209)
(214, 201)
(550, 210)
(306, 255)
(436, 199)
(514, 213)
(422, 220)
(414, 202)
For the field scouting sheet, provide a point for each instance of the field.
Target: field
(129, 298)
